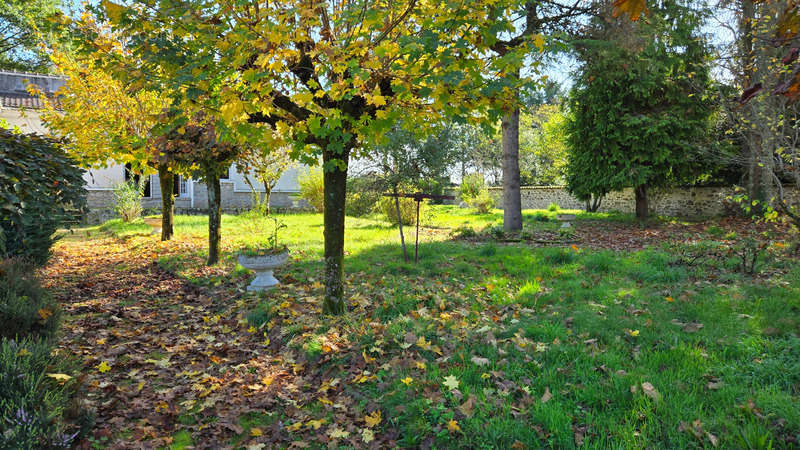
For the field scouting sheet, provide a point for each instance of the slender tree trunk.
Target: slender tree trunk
(167, 180)
(335, 192)
(642, 204)
(267, 195)
(400, 224)
(214, 216)
(512, 200)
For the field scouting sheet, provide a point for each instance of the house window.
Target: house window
(129, 174)
(180, 186)
(227, 175)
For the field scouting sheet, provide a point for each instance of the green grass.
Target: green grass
(584, 325)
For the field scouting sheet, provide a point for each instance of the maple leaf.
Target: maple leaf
(452, 425)
(44, 313)
(451, 382)
(633, 333)
(367, 435)
(316, 424)
(255, 432)
(634, 8)
(373, 419)
(103, 367)
(407, 381)
(266, 381)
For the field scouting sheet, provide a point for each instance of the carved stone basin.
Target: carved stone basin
(263, 265)
(155, 224)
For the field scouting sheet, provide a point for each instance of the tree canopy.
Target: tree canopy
(328, 76)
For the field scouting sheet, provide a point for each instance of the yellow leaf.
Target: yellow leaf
(634, 8)
(367, 359)
(60, 377)
(373, 419)
(633, 333)
(295, 426)
(252, 329)
(669, 299)
(114, 11)
(266, 381)
(23, 352)
(538, 41)
(255, 432)
(420, 365)
(337, 433)
(407, 381)
(103, 367)
(451, 382)
(316, 424)
(101, 341)
(423, 344)
(140, 386)
(44, 313)
(367, 436)
(452, 425)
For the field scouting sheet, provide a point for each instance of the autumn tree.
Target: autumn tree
(330, 76)
(104, 123)
(640, 106)
(23, 24)
(265, 165)
(535, 17)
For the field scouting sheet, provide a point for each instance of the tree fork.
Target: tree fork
(335, 193)
(167, 180)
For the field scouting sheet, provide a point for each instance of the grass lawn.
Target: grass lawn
(659, 341)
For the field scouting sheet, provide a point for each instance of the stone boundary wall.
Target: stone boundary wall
(689, 202)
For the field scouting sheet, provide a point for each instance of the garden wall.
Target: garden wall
(692, 202)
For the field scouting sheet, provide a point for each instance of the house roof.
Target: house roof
(14, 88)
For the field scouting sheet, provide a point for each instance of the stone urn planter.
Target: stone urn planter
(566, 220)
(263, 265)
(155, 224)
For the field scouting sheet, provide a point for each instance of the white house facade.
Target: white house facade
(20, 109)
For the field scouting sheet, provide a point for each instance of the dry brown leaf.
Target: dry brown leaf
(547, 395)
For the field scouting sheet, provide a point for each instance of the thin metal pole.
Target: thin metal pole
(416, 241)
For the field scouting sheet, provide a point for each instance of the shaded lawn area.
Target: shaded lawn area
(480, 345)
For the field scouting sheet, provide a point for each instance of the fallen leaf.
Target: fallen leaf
(692, 327)
(452, 425)
(468, 407)
(450, 382)
(650, 391)
(407, 381)
(367, 435)
(255, 432)
(336, 433)
(60, 377)
(103, 367)
(478, 361)
(547, 395)
(714, 385)
(713, 439)
(373, 419)
(266, 381)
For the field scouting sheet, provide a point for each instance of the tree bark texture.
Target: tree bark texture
(642, 203)
(400, 224)
(214, 216)
(167, 180)
(512, 199)
(335, 192)
(267, 195)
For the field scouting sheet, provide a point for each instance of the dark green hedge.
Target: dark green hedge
(41, 189)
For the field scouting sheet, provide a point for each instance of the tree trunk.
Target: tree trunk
(512, 200)
(214, 216)
(400, 224)
(267, 195)
(335, 192)
(642, 206)
(167, 180)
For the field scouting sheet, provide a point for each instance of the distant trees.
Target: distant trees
(23, 23)
(640, 106)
